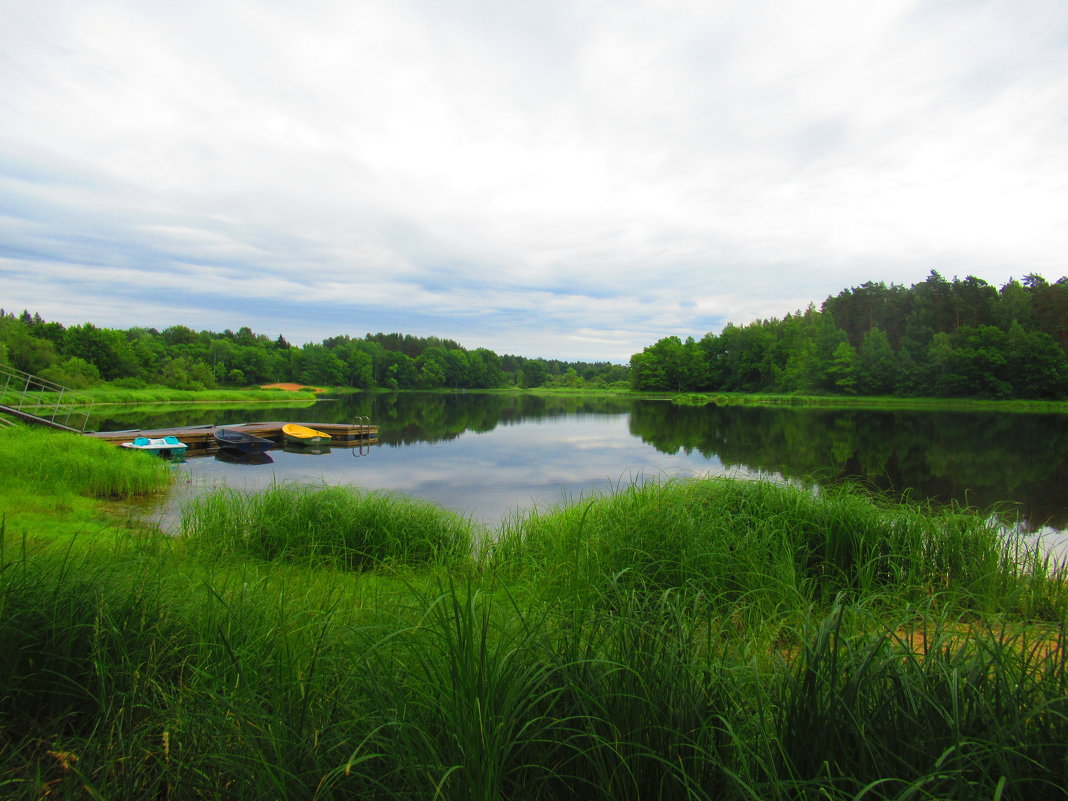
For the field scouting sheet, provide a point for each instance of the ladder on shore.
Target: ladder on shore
(43, 402)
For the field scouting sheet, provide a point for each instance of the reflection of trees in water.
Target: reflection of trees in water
(148, 417)
(404, 418)
(976, 459)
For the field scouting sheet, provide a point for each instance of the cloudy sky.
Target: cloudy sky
(561, 178)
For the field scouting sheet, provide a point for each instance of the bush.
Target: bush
(130, 382)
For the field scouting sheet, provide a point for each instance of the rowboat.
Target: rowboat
(234, 440)
(164, 446)
(302, 435)
(237, 457)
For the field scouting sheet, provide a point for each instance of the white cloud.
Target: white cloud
(554, 176)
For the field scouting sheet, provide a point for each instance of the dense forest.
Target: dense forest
(80, 356)
(942, 338)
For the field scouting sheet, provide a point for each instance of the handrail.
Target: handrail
(38, 400)
(362, 446)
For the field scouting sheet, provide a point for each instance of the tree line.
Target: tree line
(80, 356)
(939, 337)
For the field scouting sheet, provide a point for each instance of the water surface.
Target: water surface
(487, 455)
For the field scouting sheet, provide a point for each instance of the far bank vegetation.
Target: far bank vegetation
(959, 338)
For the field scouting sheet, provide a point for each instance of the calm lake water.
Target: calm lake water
(486, 455)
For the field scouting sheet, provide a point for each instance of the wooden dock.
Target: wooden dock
(202, 437)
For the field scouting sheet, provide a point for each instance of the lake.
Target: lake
(488, 455)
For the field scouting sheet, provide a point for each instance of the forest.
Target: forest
(957, 338)
(938, 338)
(80, 356)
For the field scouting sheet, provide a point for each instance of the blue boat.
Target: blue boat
(164, 446)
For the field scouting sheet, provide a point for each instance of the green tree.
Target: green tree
(180, 335)
(317, 364)
(876, 364)
(109, 350)
(1051, 310)
(570, 379)
(1035, 366)
(457, 367)
(149, 351)
(1014, 305)
(976, 364)
(185, 373)
(533, 372)
(73, 373)
(670, 364)
(842, 370)
(23, 350)
(430, 372)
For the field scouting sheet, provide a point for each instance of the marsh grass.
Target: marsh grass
(175, 678)
(334, 526)
(37, 460)
(681, 640)
(974, 712)
(767, 549)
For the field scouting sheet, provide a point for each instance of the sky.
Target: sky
(566, 179)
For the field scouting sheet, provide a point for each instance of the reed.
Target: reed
(38, 460)
(341, 527)
(766, 549)
(166, 676)
(677, 640)
(938, 710)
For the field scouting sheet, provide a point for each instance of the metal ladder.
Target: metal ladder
(362, 447)
(43, 402)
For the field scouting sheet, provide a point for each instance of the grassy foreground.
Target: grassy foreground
(704, 639)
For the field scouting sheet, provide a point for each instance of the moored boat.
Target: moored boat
(241, 441)
(302, 436)
(164, 446)
(237, 457)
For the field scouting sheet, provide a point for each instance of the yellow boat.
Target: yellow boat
(302, 435)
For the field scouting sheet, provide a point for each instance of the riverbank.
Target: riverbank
(109, 394)
(883, 402)
(683, 639)
(105, 394)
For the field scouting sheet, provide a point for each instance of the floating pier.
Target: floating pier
(203, 437)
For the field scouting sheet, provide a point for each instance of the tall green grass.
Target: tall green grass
(327, 526)
(175, 679)
(40, 460)
(974, 712)
(677, 640)
(769, 549)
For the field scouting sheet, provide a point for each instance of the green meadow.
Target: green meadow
(698, 639)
